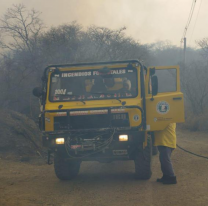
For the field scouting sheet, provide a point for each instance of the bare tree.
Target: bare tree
(195, 86)
(20, 28)
(203, 44)
(107, 44)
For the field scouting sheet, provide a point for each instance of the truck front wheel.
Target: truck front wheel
(65, 170)
(142, 162)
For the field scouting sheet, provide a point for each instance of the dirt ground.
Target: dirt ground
(34, 183)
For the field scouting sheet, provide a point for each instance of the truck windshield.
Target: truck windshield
(93, 85)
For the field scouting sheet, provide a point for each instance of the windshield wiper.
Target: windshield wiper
(123, 103)
(65, 95)
(99, 93)
(106, 93)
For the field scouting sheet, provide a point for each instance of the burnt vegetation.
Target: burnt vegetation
(27, 47)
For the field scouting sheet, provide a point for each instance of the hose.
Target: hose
(191, 152)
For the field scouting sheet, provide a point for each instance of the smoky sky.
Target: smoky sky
(147, 21)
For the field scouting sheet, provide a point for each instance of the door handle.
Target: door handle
(177, 98)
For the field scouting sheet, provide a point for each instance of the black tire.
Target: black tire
(143, 161)
(154, 150)
(65, 170)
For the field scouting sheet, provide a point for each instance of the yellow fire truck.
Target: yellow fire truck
(104, 112)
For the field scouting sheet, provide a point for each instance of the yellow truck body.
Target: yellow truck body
(92, 106)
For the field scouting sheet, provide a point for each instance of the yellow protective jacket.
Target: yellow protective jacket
(166, 137)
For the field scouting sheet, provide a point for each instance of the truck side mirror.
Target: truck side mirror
(154, 81)
(37, 91)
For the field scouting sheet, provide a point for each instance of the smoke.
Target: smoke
(146, 21)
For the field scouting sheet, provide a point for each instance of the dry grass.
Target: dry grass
(20, 135)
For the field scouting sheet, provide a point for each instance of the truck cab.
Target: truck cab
(105, 112)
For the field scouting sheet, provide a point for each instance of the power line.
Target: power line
(191, 14)
(196, 20)
(183, 39)
(189, 18)
(192, 6)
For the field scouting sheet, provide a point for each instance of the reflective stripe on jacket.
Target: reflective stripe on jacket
(166, 137)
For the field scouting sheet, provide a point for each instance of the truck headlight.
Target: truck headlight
(123, 137)
(59, 140)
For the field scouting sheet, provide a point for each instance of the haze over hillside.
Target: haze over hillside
(147, 21)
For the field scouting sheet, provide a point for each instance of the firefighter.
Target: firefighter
(165, 140)
(98, 86)
(126, 85)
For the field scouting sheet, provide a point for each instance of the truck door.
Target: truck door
(168, 105)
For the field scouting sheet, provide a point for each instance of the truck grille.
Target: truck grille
(91, 121)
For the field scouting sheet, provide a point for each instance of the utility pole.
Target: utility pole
(184, 52)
